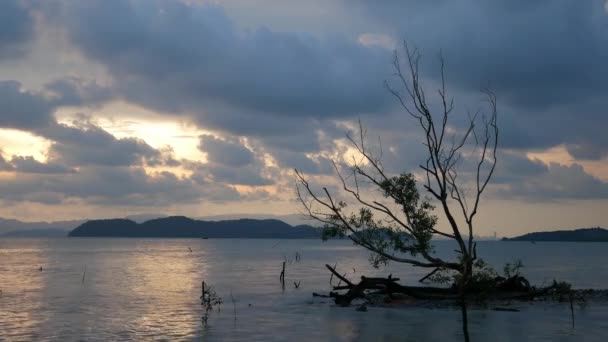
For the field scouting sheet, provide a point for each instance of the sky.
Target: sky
(111, 108)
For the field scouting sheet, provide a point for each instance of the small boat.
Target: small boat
(204, 238)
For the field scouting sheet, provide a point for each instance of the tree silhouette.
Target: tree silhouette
(400, 226)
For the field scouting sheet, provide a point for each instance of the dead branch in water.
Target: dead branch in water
(515, 287)
(341, 277)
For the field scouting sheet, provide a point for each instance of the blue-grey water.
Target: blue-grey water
(148, 289)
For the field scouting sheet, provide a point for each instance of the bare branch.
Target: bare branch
(441, 180)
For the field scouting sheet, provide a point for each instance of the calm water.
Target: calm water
(149, 290)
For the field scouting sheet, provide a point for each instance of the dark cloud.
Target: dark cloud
(27, 164)
(303, 163)
(252, 175)
(132, 185)
(165, 156)
(514, 166)
(587, 150)
(533, 52)
(230, 161)
(293, 133)
(88, 144)
(545, 59)
(578, 126)
(288, 94)
(22, 109)
(558, 182)
(16, 28)
(114, 186)
(225, 152)
(72, 91)
(34, 111)
(177, 57)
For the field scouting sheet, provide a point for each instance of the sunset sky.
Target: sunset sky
(111, 108)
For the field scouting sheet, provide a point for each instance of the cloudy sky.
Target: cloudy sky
(118, 107)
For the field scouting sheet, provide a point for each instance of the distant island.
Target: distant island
(579, 235)
(184, 227)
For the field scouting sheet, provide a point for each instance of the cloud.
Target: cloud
(176, 57)
(114, 186)
(16, 28)
(225, 152)
(586, 150)
(286, 92)
(546, 60)
(303, 163)
(578, 126)
(23, 109)
(34, 110)
(252, 175)
(230, 161)
(88, 144)
(531, 51)
(27, 164)
(4, 165)
(533, 180)
(514, 166)
(74, 91)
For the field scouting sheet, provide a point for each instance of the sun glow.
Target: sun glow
(15, 142)
(159, 130)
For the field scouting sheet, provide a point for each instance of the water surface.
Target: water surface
(148, 289)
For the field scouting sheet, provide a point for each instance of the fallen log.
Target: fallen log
(389, 286)
(516, 287)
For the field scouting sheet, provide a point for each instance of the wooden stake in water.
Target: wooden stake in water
(203, 293)
(282, 276)
(84, 274)
(572, 308)
(233, 304)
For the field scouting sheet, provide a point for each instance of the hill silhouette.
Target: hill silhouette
(184, 227)
(583, 234)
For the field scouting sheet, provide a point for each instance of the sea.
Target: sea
(120, 289)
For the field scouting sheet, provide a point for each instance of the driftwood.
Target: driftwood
(387, 286)
(500, 288)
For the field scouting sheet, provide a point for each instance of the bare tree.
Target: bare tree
(401, 231)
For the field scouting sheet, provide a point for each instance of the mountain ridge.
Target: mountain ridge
(185, 227)
(596, 234)
(11, 225)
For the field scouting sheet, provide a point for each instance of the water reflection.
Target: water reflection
(130, 292)
(149, 289)
(23, 288)
(153, 289)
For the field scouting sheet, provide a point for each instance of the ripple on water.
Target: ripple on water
(149, 290)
